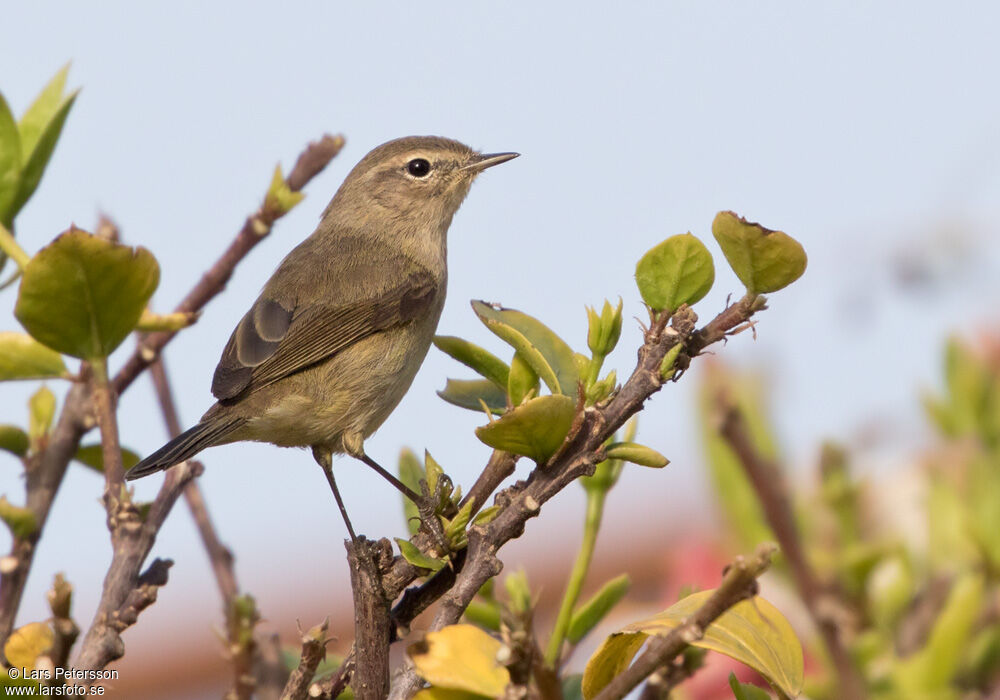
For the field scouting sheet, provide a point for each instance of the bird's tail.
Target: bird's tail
(185, 446)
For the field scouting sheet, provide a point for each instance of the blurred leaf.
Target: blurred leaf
(23, 357)
(45, 107)
(737, 500)
(10, 163)
(522, 381)
(764, 260)
(454, 528)
(413, 555)
(535, 429)
(746, 691)
(41, 410)
(934, 666)
(518, 591)
(82, 295)
(572, 686)
(460, 657)
(983, 508)
(93, 456)
(753, 632)
(14, 440)
(890, 589)
(280, 199)
(21, 521)
(475, 358)
(636, 454)
(677, 271)
(486, 614)
(34, 165)
(467, 393)
(589, 614)
(410, 473)
(27, 643)
(547, 353)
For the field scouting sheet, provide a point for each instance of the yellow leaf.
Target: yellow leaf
(460, 657)
(27, 643)
(753, 632)
(437, 693)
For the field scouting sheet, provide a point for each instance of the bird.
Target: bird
(334, 340)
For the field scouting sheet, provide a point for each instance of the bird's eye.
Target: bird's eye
(418, 167)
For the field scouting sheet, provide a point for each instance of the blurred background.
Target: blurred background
(870, 134)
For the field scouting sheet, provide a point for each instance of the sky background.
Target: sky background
(870, 133)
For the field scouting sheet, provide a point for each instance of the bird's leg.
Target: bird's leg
(354, 446)
(426, 503)
(324, 459)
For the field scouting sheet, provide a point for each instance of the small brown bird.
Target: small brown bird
(335, 338)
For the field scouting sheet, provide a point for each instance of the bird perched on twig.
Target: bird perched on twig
(335, 338)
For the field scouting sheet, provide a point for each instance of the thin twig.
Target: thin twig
(768, 481)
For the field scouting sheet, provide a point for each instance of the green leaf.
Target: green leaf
(518, 591)
(590, 614)
(753, 632)
(93, 456)
(572, 686)
(21, 521)
(604, 329)
(410, 473)
(746, 691)
(34, 165)
(636, 454)
(81, 295)
(41, 410)
(413, 555)
(14, 440)
(534, 429)
(34, 120)
(486, 614)
(522, 381)
(547, 353)
(467, 393)
(677, 271)
(736, 498)
(23, 357)
(475, 358)
(933, 667)
(764, 260)
(460, 657)
(10, 163)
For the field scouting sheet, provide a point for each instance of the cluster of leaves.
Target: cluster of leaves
(496, 645)
(917, 608)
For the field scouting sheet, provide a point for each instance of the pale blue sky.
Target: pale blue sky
(869, 132)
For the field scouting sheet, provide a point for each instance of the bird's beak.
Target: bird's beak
(481, 161)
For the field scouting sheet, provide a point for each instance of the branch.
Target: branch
(372, 628)
(45, 471)
(768, 481)
(313, 651)
(578, 456)
(738, 584)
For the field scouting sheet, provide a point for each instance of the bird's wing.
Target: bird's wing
(279, 337)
